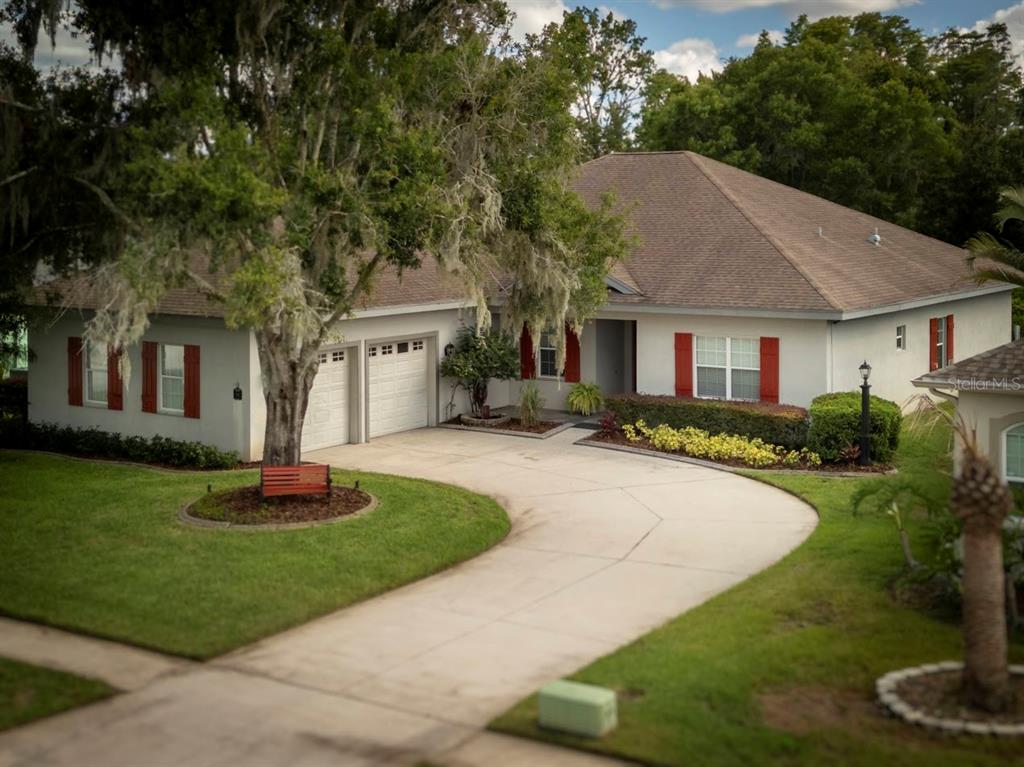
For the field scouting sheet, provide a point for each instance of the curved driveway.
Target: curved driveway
(604, 546)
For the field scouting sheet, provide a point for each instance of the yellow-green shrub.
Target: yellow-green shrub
(698, 443)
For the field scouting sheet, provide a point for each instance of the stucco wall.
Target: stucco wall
(802, 346)
(552, 390)
(224, 361)
(990, 415)
(980, 324)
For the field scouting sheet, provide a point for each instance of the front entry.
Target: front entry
(615, 356)
(398, 386)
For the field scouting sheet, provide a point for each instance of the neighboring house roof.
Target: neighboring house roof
(713, 236)
(999, 370)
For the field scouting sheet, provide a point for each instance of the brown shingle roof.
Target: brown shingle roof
(997, 370)
(712, 235)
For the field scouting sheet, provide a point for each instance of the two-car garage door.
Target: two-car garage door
(397, 380)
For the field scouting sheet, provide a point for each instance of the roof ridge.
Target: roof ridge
(821, 291)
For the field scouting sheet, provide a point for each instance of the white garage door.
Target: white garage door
(326, 421)
(398, 386)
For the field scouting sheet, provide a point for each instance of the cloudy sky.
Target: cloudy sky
(695, 35)
(690, 36)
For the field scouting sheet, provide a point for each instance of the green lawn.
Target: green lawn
(30, 692)
(97, 548)
(780, 670)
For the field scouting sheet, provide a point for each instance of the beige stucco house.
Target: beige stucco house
(739, 288)
(988, 389)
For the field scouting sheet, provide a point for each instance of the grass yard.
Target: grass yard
(97, 548)
(780, 670)
(30, 692)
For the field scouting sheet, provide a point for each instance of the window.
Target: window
(901, 336)
(403, 347)
(417, 346)
(172, 378)
(338, 355)
(548, 355)
(16, 343)
(1013, 453)
(940, 342)
(95, 374)
(728, 368)
(321, 358)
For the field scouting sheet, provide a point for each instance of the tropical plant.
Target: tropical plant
(584, 398)
(530, 405)
(994, 258)
(477, 358)
(981, 501)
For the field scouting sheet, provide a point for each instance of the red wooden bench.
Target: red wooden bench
(295, 480)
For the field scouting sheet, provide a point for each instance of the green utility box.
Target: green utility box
(579, 709)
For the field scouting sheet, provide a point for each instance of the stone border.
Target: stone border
(587, 442)
(890, 700)
(483, 423)
(212, 524)
(509, 432)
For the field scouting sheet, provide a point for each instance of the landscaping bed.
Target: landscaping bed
(245, 506)
(30, 692)
(780, 670)
(98, 548)
(938, 695)
(512, 424)
(619, 439)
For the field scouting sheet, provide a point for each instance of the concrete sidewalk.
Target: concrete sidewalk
(604, 547)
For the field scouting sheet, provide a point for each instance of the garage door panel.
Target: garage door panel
(398, 386)
(326, 422)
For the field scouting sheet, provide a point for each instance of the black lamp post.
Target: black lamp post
(864, 459)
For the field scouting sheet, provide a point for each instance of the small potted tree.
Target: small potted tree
(475, 360)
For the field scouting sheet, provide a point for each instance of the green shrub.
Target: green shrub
(835, 426)
(476, 359)
(784, 425)
(530, 404)
(104, 444)
(584, 399)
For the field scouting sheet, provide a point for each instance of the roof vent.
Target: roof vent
(876, 238)
(821, 232)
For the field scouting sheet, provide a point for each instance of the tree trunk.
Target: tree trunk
(478, 396)
(982, 500)
(287, 380)
(986, 680)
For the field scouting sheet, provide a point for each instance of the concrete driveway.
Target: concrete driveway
(604, 547)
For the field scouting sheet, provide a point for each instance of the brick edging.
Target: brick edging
(509, 432)
(212, 524)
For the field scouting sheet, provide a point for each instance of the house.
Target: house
(739, 288)
(989, 393)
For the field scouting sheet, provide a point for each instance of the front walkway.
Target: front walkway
(604, 547)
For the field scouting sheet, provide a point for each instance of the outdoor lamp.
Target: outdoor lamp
(449, 349)
(865, 371)
(864, 459)
(237, 392)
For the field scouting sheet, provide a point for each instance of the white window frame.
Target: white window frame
(940, 341)
(161, 408)
(728, 367)
(540, 357)
(1007, 477)
(87, 371)
(901, 338)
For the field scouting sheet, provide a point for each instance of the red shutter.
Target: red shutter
(149, 351)
(572, 355)
(949, 339)
(526, 361)
(191, 381)
(115, 389)
(933, 344)
(684, 364)
(74, 371)
(769, 369)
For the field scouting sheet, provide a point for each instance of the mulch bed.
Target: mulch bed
(618, 438)
(938, 695)
(243, 506)
(514, 424)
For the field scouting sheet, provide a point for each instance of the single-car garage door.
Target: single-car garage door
(326, 421)
(398, 386)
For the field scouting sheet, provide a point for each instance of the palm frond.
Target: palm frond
(1013, 206)
(991, 259)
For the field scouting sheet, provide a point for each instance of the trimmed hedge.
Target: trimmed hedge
(784, 425)
(103, 444)
(835, 425)
(14, 398)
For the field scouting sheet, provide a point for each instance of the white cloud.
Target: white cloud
(749, 41)
(69, 50)
(533, 15)
(689, 57)
(815, 9)
(1013, 18)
